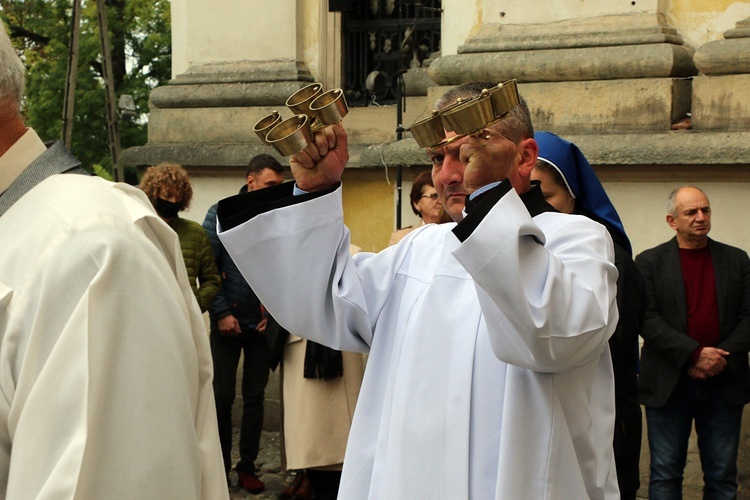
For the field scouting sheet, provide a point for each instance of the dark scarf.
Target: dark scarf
(321, 362)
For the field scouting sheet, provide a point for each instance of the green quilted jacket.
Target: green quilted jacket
(199, 260)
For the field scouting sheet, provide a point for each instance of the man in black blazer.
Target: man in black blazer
(694, 362)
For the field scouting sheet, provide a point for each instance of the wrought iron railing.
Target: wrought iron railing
(381, 40)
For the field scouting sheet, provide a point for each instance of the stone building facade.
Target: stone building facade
(654, 92)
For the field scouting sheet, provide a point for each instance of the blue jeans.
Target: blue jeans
(255, 368)
(717, 424)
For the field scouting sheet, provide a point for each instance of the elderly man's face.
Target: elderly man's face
(692, 217)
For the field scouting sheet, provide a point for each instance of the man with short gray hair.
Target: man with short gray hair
(696, 333)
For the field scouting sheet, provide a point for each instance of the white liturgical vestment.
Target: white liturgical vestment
(489, 373)
(105, 367)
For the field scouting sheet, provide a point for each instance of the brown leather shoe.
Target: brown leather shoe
(304, 492)
(250, 482)
(292, 488)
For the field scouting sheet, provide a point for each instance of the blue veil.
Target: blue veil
(582, 182)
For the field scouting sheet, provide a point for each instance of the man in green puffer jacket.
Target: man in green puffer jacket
(168, 187)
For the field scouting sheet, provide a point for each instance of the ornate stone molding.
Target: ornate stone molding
(217, 95)
(235, 84)
(601, 48)
(244, 72)
(559, 65)
(728, 56)
(741, 30)
(603, 31)
(673, 148)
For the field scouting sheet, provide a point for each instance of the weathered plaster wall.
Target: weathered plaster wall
(701, 21)
(547, 11)
(309, 43)
(228, 31)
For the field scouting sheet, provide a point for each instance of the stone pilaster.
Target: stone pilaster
(232, 65)
(617, 73)
(720, 95)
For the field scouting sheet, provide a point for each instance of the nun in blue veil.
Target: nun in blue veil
(570, 185)
(581, 183)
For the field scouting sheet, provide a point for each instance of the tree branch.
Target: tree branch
(21, 32)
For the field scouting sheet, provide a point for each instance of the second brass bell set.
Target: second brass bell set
(314, 110)
(466, 116)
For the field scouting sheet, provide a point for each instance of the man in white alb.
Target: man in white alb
(489, 374)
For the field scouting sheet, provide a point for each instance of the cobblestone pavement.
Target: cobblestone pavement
(269, 462)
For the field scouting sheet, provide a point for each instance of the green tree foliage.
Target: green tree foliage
(140, 40)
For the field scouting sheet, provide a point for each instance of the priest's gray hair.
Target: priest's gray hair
(516, 126)
(672, 198)
(11, 73)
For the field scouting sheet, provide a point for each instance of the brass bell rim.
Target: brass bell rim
(329, 108)
(291, 135)
(282, 127)
(470, 117)
(339, 93)
(315, 88)
(263, 126)
(271, 118)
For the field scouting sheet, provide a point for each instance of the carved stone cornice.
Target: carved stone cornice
(559, 65)
(728, 56)
(244, 72)
(601, 48)
(602, 31)
(219, 95)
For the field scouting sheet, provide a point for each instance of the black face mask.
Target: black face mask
(167, 209)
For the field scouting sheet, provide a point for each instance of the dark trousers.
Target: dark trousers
(226, 356)
(627, 444)
(717, 424)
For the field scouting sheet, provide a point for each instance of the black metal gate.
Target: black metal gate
(381, 40)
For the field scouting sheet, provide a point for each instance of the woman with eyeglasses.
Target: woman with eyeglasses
(424, 202)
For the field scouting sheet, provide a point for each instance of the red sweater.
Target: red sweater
(700, 295)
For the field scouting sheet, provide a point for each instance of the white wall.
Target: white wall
(701, 21)
(642, 207)
(209, 190)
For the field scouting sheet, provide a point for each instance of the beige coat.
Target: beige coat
(317, 413)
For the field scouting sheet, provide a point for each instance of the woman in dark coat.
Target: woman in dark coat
(570, 185)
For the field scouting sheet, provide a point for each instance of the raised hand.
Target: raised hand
(320, 165)
(488, 158)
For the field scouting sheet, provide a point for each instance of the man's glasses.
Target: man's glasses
(433, 196)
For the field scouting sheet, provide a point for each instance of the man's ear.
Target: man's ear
(528, 151)
(250, 180)
(671, 221)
